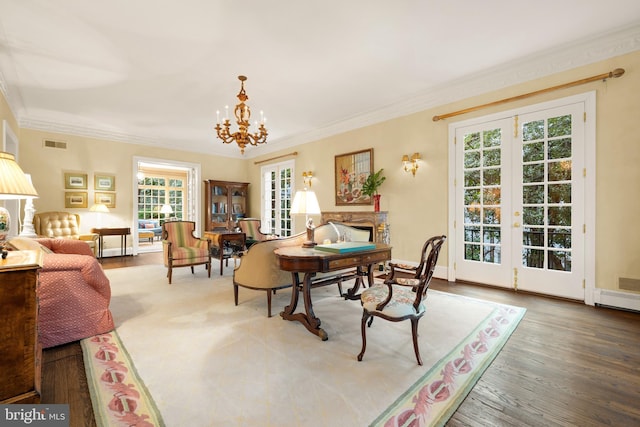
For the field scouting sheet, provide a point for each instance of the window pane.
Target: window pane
(533, 130)
(560, 215)
(560, 126)
(559, 193)
(533, 258)
(472, 141)
(472, 159)
(560, 238)
(492, 235)
(472, 252)
(533, 194)
(472, 215)
(472, 178)
(491, 216)
(491, 177)
(559, 260)
(491, 196)
(560, 171)
(533, 152)
(533, 215)
(491, 158)
(492, 254)
(533, 173)
(560, 148)
(472, 234)
(533, 236)
(492, 138)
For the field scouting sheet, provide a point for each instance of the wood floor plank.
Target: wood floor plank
(567, 364)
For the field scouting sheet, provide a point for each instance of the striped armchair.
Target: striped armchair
(251, 228)
(182, 249)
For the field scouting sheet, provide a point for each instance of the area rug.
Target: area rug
(207, 362)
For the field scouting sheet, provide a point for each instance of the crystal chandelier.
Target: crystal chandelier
(243, 114)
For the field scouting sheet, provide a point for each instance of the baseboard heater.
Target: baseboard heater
(617, 299)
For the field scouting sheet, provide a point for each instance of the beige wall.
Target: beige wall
(417, 206)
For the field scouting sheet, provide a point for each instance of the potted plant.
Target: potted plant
(371, 185)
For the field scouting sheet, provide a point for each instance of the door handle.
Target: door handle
(516, 225)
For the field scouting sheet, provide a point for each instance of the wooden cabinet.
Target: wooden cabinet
(20, 352)
(225, 202)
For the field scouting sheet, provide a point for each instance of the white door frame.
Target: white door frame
(589, 100)
(194, 193)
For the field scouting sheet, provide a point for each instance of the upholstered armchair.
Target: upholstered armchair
(181, 248)
(251, 228)
(63, 225)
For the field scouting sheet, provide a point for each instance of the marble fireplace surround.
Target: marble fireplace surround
(376, 222)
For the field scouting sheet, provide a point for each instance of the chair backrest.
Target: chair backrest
(58, 225)
(179, 233)
(430, 252)
(251, 228)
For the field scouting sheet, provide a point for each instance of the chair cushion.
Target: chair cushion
(192, 254)
(401, 303)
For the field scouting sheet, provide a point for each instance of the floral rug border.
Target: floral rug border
(118, 394)
(433, 399)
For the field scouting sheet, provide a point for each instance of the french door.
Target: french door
(520, 201)
(277, 184)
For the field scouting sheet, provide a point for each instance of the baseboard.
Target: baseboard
(617, 299)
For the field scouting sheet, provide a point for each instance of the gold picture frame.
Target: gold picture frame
(351, 170)
(104, 182)
(75, 200)
(107, 199)
(75, 181)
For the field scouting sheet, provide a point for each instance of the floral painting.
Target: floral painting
(352, 169)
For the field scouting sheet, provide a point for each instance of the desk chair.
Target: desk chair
(399, 298)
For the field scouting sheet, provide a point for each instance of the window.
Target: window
(158, 188)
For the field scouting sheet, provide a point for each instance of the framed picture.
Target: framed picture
(107, 199)
(75, 200)
(352, 169)
(237, 208)
(104, 182)
(75, 181)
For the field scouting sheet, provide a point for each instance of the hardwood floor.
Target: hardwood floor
(567, 364)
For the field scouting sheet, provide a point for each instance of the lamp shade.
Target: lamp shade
(13, 182)
(305, 202)
(99, 207)
(166, 209)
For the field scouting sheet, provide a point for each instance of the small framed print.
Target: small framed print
(75, 200)
(107, 199)
(104, 182)
(75, 181)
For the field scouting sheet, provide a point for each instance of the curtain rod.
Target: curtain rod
(294, 153)
(615, 74)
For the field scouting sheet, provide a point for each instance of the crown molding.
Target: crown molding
(542, 64)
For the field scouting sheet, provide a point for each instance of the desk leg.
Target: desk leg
(308, 319)
(360, 274)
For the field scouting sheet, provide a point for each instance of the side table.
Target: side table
(123, 232)
(225, 244)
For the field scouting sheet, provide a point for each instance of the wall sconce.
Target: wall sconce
(411, 164)
(306, 176)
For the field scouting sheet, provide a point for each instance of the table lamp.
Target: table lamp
(100, 208)
(29, 213)
(13, 185)
(306, 202)
(166, 210)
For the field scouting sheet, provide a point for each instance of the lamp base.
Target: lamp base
(310, 239)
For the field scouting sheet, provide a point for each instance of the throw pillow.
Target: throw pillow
(149, 226)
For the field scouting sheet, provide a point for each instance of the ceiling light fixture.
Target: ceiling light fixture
(243, 114)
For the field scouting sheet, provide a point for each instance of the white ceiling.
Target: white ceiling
(155, 71)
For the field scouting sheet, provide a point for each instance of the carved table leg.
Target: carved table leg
(352, 292)
(308, 319)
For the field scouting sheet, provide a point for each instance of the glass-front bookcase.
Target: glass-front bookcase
(225, 203)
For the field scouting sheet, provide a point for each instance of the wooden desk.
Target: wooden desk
(309, 261)
(123, 232)
(222, 238)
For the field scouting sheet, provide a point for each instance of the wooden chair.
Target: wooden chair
(400, 298)
(182, 249)
(251, 228)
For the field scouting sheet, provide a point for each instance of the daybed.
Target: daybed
(74, 292)
(259, 268)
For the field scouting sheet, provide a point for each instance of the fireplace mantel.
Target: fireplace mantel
(376, 220)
